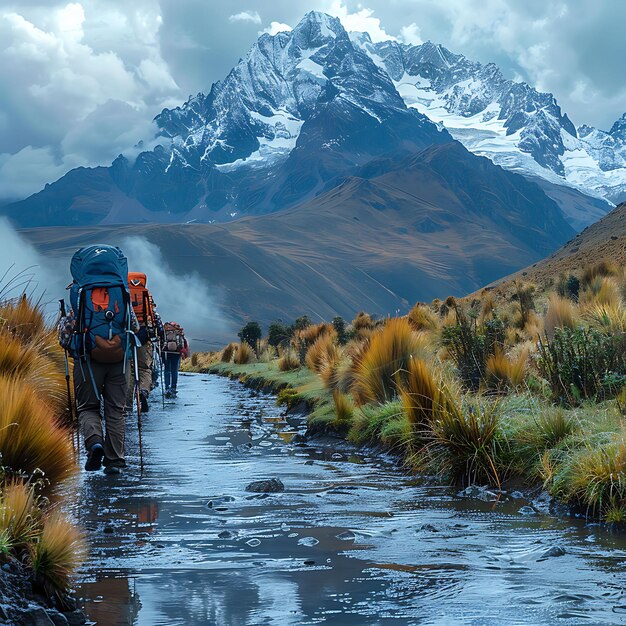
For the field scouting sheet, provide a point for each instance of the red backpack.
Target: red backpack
(174, 337)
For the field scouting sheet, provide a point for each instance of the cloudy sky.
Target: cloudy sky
(81, 81)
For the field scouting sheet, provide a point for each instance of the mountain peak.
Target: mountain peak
(316, 28)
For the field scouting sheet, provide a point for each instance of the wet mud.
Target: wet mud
(350, 541)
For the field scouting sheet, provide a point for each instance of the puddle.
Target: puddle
(351, 540)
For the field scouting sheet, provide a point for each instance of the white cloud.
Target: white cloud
(411, 34)
(246, 16)
(362, 20)
(276, 27)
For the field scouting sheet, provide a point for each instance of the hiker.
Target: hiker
(100, 333)
(144, 309)
(175, 346)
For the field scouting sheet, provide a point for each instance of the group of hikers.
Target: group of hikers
(120, 347)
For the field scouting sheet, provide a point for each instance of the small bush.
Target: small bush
(244, 354)
(568, 287)
(57, 554)
(582, 363)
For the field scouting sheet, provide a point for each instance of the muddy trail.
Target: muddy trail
(351, 541)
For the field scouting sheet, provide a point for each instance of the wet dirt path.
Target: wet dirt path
(352, 541)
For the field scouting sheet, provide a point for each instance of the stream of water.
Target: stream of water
(351, 541)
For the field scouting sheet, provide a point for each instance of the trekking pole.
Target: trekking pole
(161, 365)
(74, 423)
(138, 399)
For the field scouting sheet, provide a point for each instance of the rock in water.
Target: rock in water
(274, 485)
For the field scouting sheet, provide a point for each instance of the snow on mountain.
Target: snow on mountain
(511, 123)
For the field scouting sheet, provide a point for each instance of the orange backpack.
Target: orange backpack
(140, 299)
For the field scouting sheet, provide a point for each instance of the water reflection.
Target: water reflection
(351, 541)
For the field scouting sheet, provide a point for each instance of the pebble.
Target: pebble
(253, 543)
(274, 485)
(308, 541)
(527, 510)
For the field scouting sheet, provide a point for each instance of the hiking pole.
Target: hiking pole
(74, 424)
(161, 365)
(138, 399)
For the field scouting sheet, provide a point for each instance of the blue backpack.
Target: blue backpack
(100, 300)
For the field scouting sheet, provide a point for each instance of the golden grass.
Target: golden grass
(603, 291)
(29, 363)
(23, 318)
(602, 269)
(607, 317)
(228, 352)
(288, 361)
(422, 318)
(344, 408)
(363, 321)
(30, 436)
(506, 371)
(424, 396)
(19, 514)
(385, 362)
(57, 554)
(323, 352)
(561, 313)
(244, 354)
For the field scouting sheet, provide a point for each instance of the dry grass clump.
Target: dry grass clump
(561, 313)
(23, 318)
(30, 435)
(344, 408)
(383, 366)
(603, 269)
(228, 352)
(604, 291)
(506, 371)
(243, 354)
(322, 353)
(288, 361)
(19, 515)
(363, 321)
(607, 317)
(422, 318)
(57, 554)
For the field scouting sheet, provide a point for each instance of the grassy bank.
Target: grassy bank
(36, 453)
(520, 387)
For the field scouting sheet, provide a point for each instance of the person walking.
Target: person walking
(145, 311)
(175, 347)
(99, 333)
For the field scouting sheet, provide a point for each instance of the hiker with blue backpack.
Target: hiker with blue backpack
(101, 333)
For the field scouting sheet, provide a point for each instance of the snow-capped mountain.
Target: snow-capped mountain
(511, 123)
(307, 108)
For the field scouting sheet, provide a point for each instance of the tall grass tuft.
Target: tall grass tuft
(288, 361)
(596, 475)
(228, 352)
(384, 365)
(465, 445)
(506, 371)
(23, 318)
(344, 409)
(561, 313)
(57, 554)
(19, 515)
(322, 353)
(244, 354)
(30, 436)
(424, 397)
(422, 318)
(610, 318)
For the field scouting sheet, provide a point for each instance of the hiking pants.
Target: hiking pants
(111, 383)
(144, 360)
(171, 361)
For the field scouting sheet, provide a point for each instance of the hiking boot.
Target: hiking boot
(112, 470)
(173, 392)
(143, 397)
(94, 458)
(168, 393)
